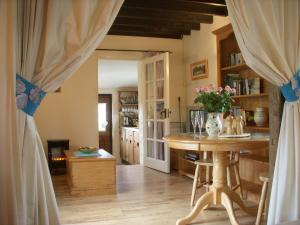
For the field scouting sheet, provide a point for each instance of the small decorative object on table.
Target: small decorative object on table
(215, 101)
(87, 150)
(234, 127)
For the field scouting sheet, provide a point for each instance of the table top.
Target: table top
(186, 141)
(103, 155)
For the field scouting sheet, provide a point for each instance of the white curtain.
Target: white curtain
(44, 41)
(268, 34)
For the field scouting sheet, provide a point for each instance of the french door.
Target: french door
(155, 83)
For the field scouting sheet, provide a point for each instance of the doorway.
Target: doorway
(140, 120)
(105, 121)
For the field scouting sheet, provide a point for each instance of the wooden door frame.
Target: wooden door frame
(110, 117)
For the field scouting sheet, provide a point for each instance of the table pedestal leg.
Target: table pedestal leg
(219, 193)
(203, 201)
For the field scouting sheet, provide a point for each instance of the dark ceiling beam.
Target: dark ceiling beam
(217, 2)
(151, 29)
(156, 22)
(143, 34)
(178, 5)
(164, 15)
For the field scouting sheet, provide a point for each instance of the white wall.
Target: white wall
(115, 116)
(198, 46)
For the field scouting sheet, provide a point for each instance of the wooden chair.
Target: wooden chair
(265, 179)
(207, 162)
(234, 159)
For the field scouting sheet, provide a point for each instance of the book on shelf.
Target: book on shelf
(236, 59)
(191, 156)
(243, 86)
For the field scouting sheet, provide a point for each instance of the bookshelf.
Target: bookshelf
(251, 95)
(128, 108)
(232, 66)
(252, 90)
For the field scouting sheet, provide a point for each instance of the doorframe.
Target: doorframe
(110, 130)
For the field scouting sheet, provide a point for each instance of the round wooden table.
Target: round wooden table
(219, 192)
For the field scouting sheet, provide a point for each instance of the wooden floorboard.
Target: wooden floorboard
(144, 197)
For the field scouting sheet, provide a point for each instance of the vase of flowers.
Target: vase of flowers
(215, 101)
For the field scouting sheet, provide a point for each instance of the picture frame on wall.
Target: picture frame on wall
(199, 70)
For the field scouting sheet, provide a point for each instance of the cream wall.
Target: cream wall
(72, 113)
(115, 116)
(198, 46)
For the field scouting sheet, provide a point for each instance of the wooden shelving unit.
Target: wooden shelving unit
(226, 47)
(251, 96)
(128, 106)
(235, 68)
(257, 129)
(252, 164)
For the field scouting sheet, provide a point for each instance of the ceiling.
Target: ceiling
(165, 18)
(117, 73)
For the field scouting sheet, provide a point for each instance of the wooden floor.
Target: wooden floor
(144, 197)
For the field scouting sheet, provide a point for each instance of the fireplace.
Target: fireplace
(56, 156)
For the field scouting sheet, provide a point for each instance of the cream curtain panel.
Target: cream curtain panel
(268, 34)
(44, 41)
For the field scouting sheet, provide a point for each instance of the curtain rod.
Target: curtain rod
(130, 50)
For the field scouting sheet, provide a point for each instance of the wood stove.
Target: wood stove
(56, 156)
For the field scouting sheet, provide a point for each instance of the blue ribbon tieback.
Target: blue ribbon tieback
(28, 95)
(291, 90)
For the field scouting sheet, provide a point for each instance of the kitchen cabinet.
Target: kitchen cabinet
(129, 145)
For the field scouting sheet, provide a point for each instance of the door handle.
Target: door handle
(165, 113)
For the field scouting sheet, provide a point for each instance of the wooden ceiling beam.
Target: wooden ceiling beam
(217, 2)
(156, 22)
(164, 15)
(179, 5)
(143, 34)
(151, 29)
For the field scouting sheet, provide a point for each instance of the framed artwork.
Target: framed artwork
(199, 70)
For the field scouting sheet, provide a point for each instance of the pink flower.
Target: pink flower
(228, 89)
(197, 90)
(233, 91)
(206, 90)
(211, 87)
(220, 89)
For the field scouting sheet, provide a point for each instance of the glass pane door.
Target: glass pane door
(156, 112)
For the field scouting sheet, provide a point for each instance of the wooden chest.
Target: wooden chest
(95, 175)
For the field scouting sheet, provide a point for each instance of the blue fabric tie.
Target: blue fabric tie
(291, 90)
(28, 95)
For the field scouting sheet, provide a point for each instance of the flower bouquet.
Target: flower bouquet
(215, 100)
